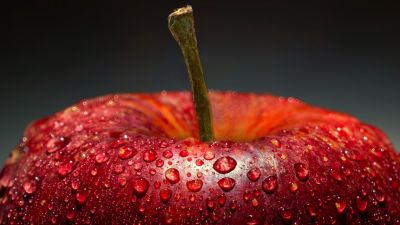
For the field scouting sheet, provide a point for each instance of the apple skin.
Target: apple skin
(132, 159)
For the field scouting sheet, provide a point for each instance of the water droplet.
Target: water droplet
(149, 155)
(233, 205)
(55, 144)
(194, 185)
(140, 186)
(65, 169)
(165, 194)
(75, 185)
(379, 195)
(275, 142)
(361, 204)
(82, 196)
(168, 154)
(293, 187)
(183, 153)
(122, 181)
(225, 164)
(255, 202)
(247, 196)
(159, 162)
(126, 152)
(301, 171)
(199, 162)
(152, 171)
(335, 174)
(192, 198)
(311, 210)
(208, 155)
(29, 187)
(102, 157)
(226, 183)
(119, 168)
(138, 166)
(163, 144)
(270, 184)
(286, 215)
(93, 172)
(251, 220)
(254, 174)
(157, 184)
(172, 175)
(221, 200)
(340, 205)
(70, 215)
(210, 203)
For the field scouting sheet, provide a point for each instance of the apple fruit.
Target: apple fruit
(160, 159)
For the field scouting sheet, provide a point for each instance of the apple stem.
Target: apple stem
(181, 25)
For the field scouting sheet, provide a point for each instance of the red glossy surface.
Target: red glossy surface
(129, 159)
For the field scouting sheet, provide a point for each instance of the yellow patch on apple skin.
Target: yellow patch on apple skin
(14, 156)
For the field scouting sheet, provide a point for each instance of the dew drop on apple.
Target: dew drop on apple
(335, 174)
(70, 214)
(361, 204)
(301, 171)
(102, 157)
(252, 220)
(149, 155)
(183, 153)
(208, 155)
(126, 152)
(75, 185)
(65, 169)
(293, 187)
(194, 185)
(159, 162)
(82, 196)
(311, 210)
(270, 184)
(165, 195)
(225, 164)
(247, 196)
(233, 205)
(157, 184)
(255, 202)
(378, 195)
(93, 172)
(172, 175)
(286, 215)
(192, 198)
(55, 144)
(138, 166)
(122, 181)
(199, 162)
(140, 186)
(340, 205)
(210, 203)
(163, 144)
(221, 200)
(30, 187)
(168, 154)
(226, 183)
(254, 174)
(118, 168)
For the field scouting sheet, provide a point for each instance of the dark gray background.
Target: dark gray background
(340, 56)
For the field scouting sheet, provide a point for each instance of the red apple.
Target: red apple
(137, 159)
